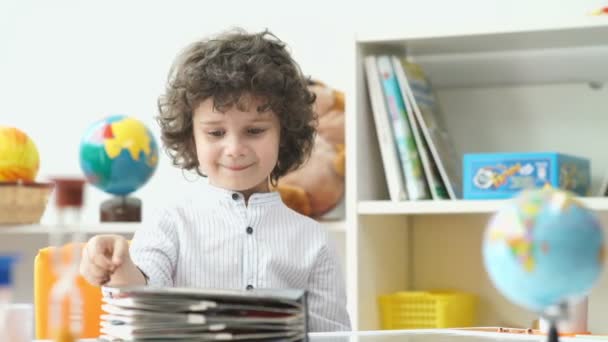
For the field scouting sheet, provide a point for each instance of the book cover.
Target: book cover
(426, 109)
(407, 150)
(386, 142)
(433, 178)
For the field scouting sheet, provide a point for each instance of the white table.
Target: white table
(435, 335)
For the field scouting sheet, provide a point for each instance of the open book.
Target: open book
(183, 314)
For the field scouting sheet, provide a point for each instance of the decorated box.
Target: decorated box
(502, 175)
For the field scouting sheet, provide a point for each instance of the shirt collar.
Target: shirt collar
(259, 198)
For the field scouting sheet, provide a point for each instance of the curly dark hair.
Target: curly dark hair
(227, 68)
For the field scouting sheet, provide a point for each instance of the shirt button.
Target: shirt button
(235, 196)
(249, 287)
(249, 230)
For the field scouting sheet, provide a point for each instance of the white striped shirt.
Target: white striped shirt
(214, 240)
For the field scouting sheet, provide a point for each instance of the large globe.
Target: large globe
(118, 154)
(543, 248)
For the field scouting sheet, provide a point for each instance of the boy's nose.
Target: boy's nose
(235, 148)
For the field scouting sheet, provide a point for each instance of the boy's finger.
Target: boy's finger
(121, 250)
(96, 271)
(98, 281)
(102, 262)
(97, 245)
(99, 253)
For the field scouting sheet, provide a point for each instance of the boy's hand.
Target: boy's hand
(102, 256)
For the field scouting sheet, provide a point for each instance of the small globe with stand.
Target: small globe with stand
(118, 155)
(544, 251)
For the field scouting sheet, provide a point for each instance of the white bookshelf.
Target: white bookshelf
(501, 89)
(453, 206)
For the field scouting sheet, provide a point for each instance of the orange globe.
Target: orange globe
(19, 158)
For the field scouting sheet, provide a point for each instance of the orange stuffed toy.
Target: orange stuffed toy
(318, 186)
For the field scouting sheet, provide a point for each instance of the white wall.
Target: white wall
(66, 64)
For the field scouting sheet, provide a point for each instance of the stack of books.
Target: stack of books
(418, 155)
(182, 314)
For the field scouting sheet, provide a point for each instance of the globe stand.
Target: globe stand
(553, 315)
(553, 335)
(120, 209)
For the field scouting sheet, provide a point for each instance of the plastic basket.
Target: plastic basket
(23, 203)
(427, 310)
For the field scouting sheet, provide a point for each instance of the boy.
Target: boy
(237, 110)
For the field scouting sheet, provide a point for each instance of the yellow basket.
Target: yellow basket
(427, 310)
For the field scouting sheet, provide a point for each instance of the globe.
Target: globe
(118, 154)
(543, 248)
(19, 158)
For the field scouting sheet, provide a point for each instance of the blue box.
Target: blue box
(503, 175)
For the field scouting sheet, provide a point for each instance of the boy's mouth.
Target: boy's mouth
(237, 167)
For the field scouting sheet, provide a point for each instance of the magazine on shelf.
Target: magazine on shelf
(183, 314)
(431, 173)
(427, 111)
(386, 141)
(407, 149)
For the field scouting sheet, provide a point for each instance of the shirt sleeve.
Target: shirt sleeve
(154, 251)
(326, 294)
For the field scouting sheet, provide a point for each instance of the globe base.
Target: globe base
(571, 318)
(553, 334)
(120, 209)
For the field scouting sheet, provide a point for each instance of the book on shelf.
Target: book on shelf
(431, 172)
(386, 142)
(184, 314)
(407, 149)
(603, 189)
(427, 112)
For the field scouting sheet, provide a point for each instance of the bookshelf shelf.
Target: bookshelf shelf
(452, 207)
(501, 89)
(581, 31)
(98, 228)
(502, 56)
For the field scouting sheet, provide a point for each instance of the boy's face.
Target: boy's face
(237, 149)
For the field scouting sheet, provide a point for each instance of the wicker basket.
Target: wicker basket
(23, 203)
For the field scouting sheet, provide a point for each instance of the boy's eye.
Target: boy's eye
(217, 133)
(255, 131)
